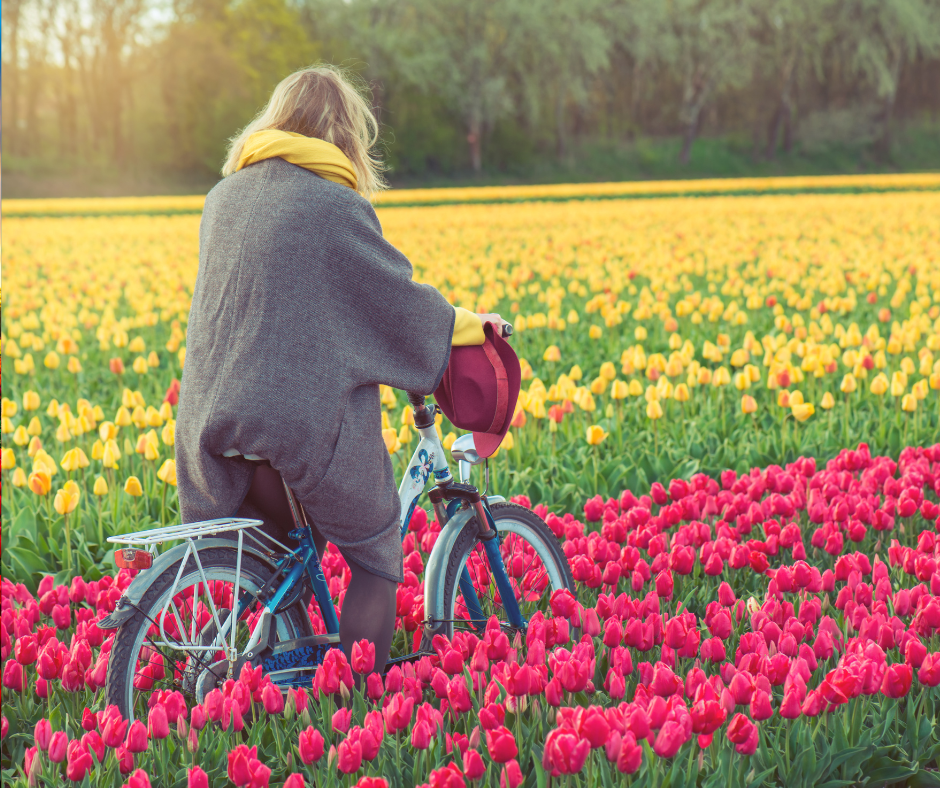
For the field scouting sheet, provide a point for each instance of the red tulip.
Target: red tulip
(511, 775)
(397, 713)
(929, 673)
(458, 694)
(421, 735)
(139, 779)
(739, 729)
(501, 745)
(13, 676)
(58, 743)
(272, 699)
(25, 650)
(342, 719)
(707, 716)
(94, 744)
(897, 680)
(310, 744)
(761, 708)
(631, 754)
(114, 728)
(240, 764)
(363, 656)
(565, 752)
(473, 766)
(42, 733)
(79, 761)
(197, 778)
(669, 740)
(157, 722)
(137, 737)
(295, 781)
(349, 756)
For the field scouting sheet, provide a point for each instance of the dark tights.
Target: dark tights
(369, 605)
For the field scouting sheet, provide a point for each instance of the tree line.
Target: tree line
(149, 86)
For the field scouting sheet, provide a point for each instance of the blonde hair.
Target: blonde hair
(326, 102)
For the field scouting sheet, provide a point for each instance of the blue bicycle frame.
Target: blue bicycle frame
(429, 459)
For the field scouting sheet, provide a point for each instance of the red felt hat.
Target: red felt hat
(479, 389)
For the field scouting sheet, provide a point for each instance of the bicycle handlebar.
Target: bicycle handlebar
(417, 400)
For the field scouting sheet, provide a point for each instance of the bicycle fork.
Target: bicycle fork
(489, 536)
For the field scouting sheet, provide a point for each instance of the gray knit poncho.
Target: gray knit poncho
(300, 309)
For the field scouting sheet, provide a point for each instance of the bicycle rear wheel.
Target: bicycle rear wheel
(143, 661)
(534, 560)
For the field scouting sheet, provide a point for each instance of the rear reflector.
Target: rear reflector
(130, 558)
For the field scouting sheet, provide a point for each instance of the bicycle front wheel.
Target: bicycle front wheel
(534, 561)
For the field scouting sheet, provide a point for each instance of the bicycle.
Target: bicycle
(173, 622)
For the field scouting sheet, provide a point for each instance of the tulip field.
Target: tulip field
(730, 418)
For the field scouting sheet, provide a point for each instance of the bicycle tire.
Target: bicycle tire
(219, 563)
(510, 518)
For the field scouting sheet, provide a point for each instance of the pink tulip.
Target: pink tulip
(310, 745)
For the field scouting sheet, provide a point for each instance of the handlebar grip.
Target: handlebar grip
(416, 400)
(507, 330)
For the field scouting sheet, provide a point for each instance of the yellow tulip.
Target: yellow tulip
(828, 401)
(167, 472)
(721, 377)
(748, 404)
(132, 487)
(6, 425)
(449, 440)
(35, 445)
(7, 459)
(153, 360)
(70, 460)
(681, 393)
(51, 361)
(40, 482)
(654, 410)
(635, 389)
(19, 478)
(34, 428)
(640, 333)
(166, 412)
(608, 371)
(74, 366)
(595, 435)
(552, 353)
(919, 389)
(879, 384)
(909, 403)
(803, 410)
(123, 417)
(598, 385)
(111, 455)
(796, 398)
(101, 486)
(575, 373)
(9, 408)
(65, 501)
(168, 433)
(391, 440)
(849, 384)
(619, 389)
(509, 441)
(20, 436)
(53, 409)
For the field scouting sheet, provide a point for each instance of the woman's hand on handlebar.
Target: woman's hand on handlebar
(496, 320)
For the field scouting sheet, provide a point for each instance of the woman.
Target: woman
(300, 310)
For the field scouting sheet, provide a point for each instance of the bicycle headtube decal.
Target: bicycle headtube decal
(422, 471)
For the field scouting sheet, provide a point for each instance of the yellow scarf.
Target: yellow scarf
(313, 154)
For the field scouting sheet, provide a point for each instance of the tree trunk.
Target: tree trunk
(783, 111)
(473, 139)
(560, 137)
(691, 132)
